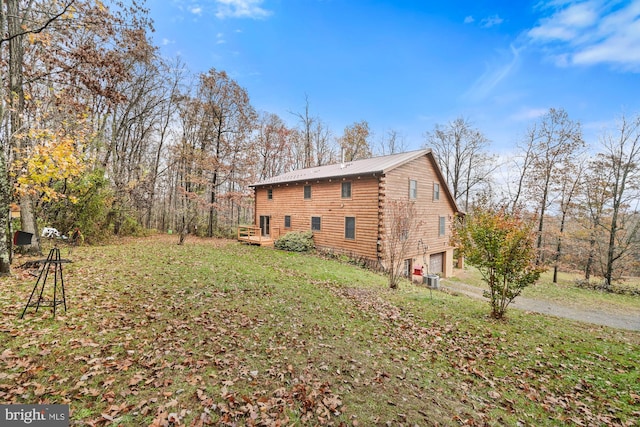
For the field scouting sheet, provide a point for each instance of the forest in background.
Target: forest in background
(101, 133)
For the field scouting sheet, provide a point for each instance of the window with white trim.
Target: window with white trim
(413, 189)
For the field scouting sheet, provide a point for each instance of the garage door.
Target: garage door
(435, 263)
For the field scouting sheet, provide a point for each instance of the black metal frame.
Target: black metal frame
(53, 260)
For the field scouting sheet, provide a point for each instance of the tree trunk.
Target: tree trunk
(555, 266)
(608, 272)
(5, 254)
(589, 264)
(16, 96)
(212, 210)
(29, 223)
(5, 200)
(183, 234)
(543, 206)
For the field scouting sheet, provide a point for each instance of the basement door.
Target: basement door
(265, 227)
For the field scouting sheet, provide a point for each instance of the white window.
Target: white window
(413, 189)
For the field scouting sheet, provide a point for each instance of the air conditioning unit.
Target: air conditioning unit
(433, 281)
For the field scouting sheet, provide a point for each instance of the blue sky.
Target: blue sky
(409, 65)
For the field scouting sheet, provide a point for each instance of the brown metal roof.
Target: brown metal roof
(381, 164)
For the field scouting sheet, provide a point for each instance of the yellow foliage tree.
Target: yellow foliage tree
(56, 155)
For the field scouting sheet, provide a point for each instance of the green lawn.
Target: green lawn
(565, 291)
(219, 333)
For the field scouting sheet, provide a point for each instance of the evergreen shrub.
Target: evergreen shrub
(296, 241)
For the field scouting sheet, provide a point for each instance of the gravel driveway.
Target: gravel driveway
(629, 321)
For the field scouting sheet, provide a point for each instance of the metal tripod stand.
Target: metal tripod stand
(54, 262)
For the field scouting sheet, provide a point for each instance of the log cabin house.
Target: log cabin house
(344, 206)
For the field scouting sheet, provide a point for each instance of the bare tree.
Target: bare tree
(522, 163)
(188, 160)
(311, 141)
(272, 143)
(553, 143)
(225, 131)
(217, 123)
(621, 156)
(402, 221)
(392, 142)
(570, 183)
(135, 139)
(594, 209)
(167, 110)
(324, 151)
(460, 150)
(306, 135)
(354, 142)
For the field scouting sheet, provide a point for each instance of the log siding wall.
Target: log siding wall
(327, 203)
(369, 194)
(427, 240)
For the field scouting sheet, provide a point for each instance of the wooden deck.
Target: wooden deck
(251, 234)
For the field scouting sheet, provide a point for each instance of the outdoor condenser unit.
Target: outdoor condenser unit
(433, 281)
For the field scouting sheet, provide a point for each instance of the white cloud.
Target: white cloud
(241, 9)
(220, 38)
(491, 21)
(488, 22)
(528, 114)
(591, 32)
(485, 84)
(196, 10)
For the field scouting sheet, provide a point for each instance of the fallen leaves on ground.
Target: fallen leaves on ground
(162, 335)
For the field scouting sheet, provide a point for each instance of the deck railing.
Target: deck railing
(248, 232)
(253, 234)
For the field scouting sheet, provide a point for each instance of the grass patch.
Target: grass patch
(216, 332)
(564, 292)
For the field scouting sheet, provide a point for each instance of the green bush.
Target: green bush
(131, 227)
(296, 241)
(86, 207)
